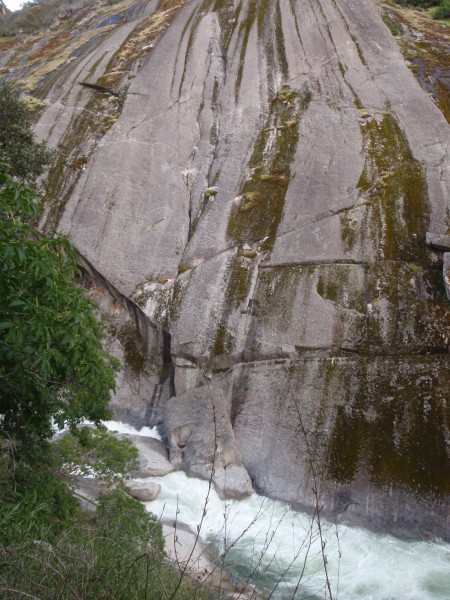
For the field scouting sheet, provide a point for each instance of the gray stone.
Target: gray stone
(201, 440)
(138, 380)
(87, 490)
(332, 420)
(438, 241)
(232, 481)
(142, 490)
(153, 457)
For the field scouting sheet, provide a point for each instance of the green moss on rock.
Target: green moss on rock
(135, 352)
(392, 424)
(238, 281)
(263, 193)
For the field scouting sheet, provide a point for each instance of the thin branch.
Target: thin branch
(317, 508)
(210, 483)
(18, 592)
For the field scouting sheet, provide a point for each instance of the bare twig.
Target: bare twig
(210, 484)
(315, 490)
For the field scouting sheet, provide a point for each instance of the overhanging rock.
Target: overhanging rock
(438, 241)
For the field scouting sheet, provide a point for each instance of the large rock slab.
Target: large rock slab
(367, 433)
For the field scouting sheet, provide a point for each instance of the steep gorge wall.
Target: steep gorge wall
(264, 196)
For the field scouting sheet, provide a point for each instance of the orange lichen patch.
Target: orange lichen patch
(8, 43)
(52, 46)
(44, 53)
(59, 53)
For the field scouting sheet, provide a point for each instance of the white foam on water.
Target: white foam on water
(115, 426)
(120, 427)
(275, 546)
(278, 544)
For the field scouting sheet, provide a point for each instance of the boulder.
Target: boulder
(144, 491)
(88, 489)
(202, 442)
(153, 457)
(232, 482)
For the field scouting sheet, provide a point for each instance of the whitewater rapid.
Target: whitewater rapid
(280, 550)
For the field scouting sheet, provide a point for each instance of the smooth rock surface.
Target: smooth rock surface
(153, 457)
(142, 490)
(438, 241)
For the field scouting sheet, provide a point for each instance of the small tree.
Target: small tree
(24, 157)
(52, 365)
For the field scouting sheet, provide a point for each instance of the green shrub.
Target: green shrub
(394, 27)
(443, 11)
(419, 3)
(115, 552)
(25, 158)
(52, 364)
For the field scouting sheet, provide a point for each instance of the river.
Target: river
(280, 550)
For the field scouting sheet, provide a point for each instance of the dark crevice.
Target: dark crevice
(98, 88)
(168, 370)
(154, 414)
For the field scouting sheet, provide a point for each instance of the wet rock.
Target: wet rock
(143, 491)
(232, 482)
(153, 457)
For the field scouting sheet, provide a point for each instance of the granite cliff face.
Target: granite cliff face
(261, 188)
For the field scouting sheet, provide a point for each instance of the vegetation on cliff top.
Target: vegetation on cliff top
(441, 10)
